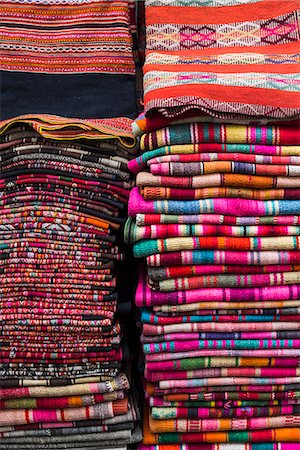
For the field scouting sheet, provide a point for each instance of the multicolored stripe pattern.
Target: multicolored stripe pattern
(223, 60)
(67, 37)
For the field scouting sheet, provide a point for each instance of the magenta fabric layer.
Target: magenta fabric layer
(146, 297)
(233, 206)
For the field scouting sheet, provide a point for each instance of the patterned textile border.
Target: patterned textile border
(190, 56)
(61, 128)
(65, 37)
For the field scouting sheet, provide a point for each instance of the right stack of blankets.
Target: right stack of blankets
(220, 296)
(215, 221)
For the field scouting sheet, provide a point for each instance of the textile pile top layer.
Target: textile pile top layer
(215, 216)
(65, 364)
(223, 60)
(72, 58)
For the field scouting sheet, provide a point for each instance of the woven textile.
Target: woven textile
(72, 57)
(259, 436)
(215, 151)
(271, 446)
(197, 133)
(137, 233)
(220, 60)
(65, 187)
(214, 218)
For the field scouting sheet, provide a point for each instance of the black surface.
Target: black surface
(68, 95)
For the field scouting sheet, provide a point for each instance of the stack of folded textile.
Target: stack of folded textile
(216, 217)
(64, 191)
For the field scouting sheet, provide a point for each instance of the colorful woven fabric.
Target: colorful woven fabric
(228, 281)
(190, 168)
(149, 219)
(197, 133)
(266, 435)
(100, 411)
(173, 193)
(208, 151)
(65, 187)
(115, 130)
(258, 159)
(72, 56)
(212, 218)
(134, 233)
(218, 180)
(265, 446)
(65, 48)
(170, 273)
(234, 207)
(148, 247)
(147, 297)
(224, 372)
(225, 61)
(181, 426)
(227, 257)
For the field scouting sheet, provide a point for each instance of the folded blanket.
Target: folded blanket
(216, 352)
(153, 219)
(246, 446)
(204, 413)
(68, 129)
(60, 402)
(272, 279)
(222, 151)
(216, 327)
(175, 244)
(253, 395)
(146, 297)
(277, 335)
(133, 233)
(197, 133)
(145, 179)
(283, 434)
(159, 402)
(119, 383)
(221, 60)
(194, 426)
(69, 438)
(240, 371)
(99, 411)
(53, 60)
(230, 305)
(159, 193)
(195, 257)
(234, 207)
(230, 344)
(226, 381)
(255, 316)
(198, 158)
(184, 169)
(156, 274)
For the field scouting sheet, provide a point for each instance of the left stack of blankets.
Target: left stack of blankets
(216, 219)
(64, 191)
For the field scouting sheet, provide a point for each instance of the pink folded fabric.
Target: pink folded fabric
(146, 297)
